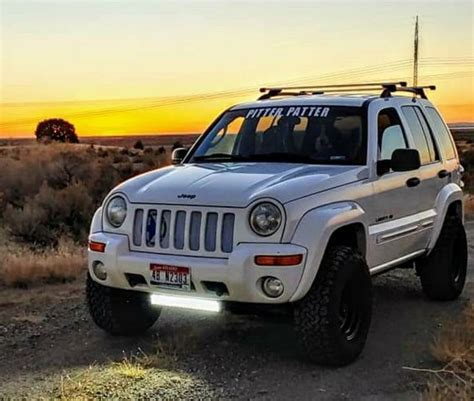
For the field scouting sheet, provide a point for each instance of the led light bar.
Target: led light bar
(208, 305)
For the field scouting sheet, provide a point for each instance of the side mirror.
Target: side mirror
(402, 160)
(178, 155)
(405, 160)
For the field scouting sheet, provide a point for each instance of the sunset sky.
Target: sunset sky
(149, 66)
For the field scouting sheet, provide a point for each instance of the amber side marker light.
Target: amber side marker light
(96, 246)
(275, 260)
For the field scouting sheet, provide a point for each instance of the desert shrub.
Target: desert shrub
(119, 158)
(28, 224)
(161, 150)
(65, 168)
(148, 150)
(137, 159)
(467, 159)
(124, 151)
(50, 214)
(102, 153)
(125, 170)
(138, 145)
(47, 192)
(176, 145)
(150, 160)
(20, 179)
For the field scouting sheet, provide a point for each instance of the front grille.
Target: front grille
(183, 230)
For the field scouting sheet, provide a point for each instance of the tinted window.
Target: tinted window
(428, 134)
(441, 132)
(390, 133)
(416, 129)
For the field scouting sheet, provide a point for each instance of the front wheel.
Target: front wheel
(443, 272)
(120, 312)
(333, 319)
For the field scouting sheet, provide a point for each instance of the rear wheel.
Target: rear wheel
(443, 271)
(334, 317)
(120, 312)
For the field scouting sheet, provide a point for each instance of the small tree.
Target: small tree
(57, 130)
(138, 145)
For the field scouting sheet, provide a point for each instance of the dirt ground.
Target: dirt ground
(47, 337)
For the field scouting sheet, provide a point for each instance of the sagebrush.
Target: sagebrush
(51, 191)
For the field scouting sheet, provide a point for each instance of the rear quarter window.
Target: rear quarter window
(441, 132)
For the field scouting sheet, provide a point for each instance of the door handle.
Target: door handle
(443, 173)
(413, 182)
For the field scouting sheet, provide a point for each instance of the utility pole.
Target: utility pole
(415, 55)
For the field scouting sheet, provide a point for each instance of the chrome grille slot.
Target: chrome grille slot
(183, 230)
(179, 228)
(227, 232)
(194, 231)
(138, 227)
(211, 231)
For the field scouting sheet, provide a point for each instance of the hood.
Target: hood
(235, 184)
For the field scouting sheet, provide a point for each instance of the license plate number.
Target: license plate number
(176, 277)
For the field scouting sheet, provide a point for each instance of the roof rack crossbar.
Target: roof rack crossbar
(361, 85)
(278, 92)
(416, 90)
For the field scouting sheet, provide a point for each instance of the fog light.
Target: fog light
(272, 287)
(99, 270)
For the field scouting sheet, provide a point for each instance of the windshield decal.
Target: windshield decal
(307, 111)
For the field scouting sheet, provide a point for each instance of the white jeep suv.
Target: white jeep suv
(292, 201)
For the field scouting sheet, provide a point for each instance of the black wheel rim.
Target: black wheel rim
(350, 311)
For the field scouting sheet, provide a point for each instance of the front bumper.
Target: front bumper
(238, 272)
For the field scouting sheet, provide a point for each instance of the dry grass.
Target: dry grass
(134, 377)
(22, 267)
(130, 367)
(454, 347)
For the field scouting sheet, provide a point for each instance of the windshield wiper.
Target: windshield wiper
(220, 156)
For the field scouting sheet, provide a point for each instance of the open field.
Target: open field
(49, 347)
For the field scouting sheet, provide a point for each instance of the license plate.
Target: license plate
(176, 277)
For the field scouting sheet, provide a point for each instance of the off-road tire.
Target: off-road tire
(120, 312)
(319, 319)
(443, 272)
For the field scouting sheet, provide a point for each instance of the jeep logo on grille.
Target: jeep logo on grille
(186, 196)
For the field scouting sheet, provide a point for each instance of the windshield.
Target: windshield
(310, 134)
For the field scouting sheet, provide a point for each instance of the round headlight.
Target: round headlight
(265, 219)
(116, 211)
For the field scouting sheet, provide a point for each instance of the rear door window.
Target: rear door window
(441, 132)
(423, 141)
(428, 134)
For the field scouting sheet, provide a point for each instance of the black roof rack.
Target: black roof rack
(416, 90)
(387, 89)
